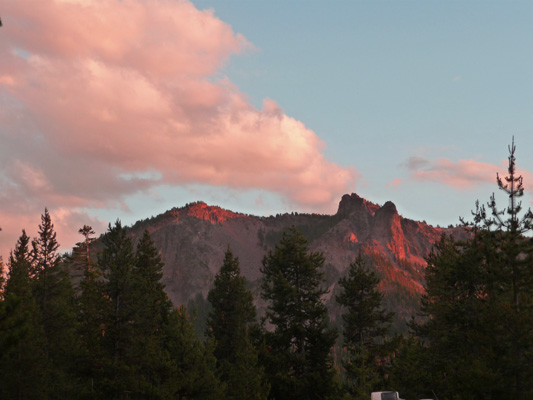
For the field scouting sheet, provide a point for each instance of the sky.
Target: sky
(123, 109)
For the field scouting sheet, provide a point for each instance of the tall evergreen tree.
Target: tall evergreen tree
(24, 367)
(233, 312)
(93, 306)
(480, 297)
(153, 308)
(117, 261)
(299, 362)
(45, 259)
(55, 296)
(365, 327)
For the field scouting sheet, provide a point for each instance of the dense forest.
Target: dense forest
(112, 333)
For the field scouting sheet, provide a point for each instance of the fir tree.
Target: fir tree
(24, 367)
(118, 262)
(461, 325)
(153, 308)
(479, 302)
(55, 296)
(365, 327)
(233, 312)
(298, 360)
(45, 259)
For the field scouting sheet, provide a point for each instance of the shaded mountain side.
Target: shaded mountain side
(192, 240)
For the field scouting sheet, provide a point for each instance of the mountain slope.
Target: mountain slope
(193, 239)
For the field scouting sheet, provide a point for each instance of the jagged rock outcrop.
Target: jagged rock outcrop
(192, 240)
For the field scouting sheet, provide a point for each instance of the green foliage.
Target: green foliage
(92, 310)
(136, 345)
(413, 370)
(365, 326)
(153, 309)
(464, 324)
(193, 365)
(298, 358)
(479, 304)
(233, 312)
(54, 294)
(118, 262)
(24, 366)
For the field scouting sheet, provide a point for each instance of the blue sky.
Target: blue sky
(382, 81)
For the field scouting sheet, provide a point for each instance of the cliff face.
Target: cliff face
(193, 239)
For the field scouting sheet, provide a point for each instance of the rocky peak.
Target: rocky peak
(351, 203)
(389, 208)
(213, 214)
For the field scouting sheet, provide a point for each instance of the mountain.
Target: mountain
(192, 240)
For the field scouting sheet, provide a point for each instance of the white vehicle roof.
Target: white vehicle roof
(385, 396)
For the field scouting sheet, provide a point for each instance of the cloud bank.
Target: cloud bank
(101, 100)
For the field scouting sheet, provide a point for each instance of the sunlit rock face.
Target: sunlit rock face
(213, 214)
(193, 239)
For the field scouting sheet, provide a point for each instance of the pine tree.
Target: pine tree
(117, 261)
(298, 360)
(365, 327)
(505, 230)
(45, 259)
(55, 296)
(480, 298)
(153, 308)
(87, 231)
(233, 312)
(24, 367)
(92, 308)
(80, 259)
(461, 324)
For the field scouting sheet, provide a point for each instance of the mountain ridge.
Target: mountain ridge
(193, 239)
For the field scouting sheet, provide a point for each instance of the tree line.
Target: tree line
(114, 334)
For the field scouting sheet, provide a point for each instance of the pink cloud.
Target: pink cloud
(462, 174)
(101, 100)
(395, 183)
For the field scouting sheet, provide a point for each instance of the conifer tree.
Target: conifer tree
(193, 366)
(233, 312)
(505, 230)
(298, 358)
(365, 326)
(45, 259)
(24, 367)
(92, 308)
(55, 296)
(480, 298)
(87, 232)
(153, 308)
(117, 261)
